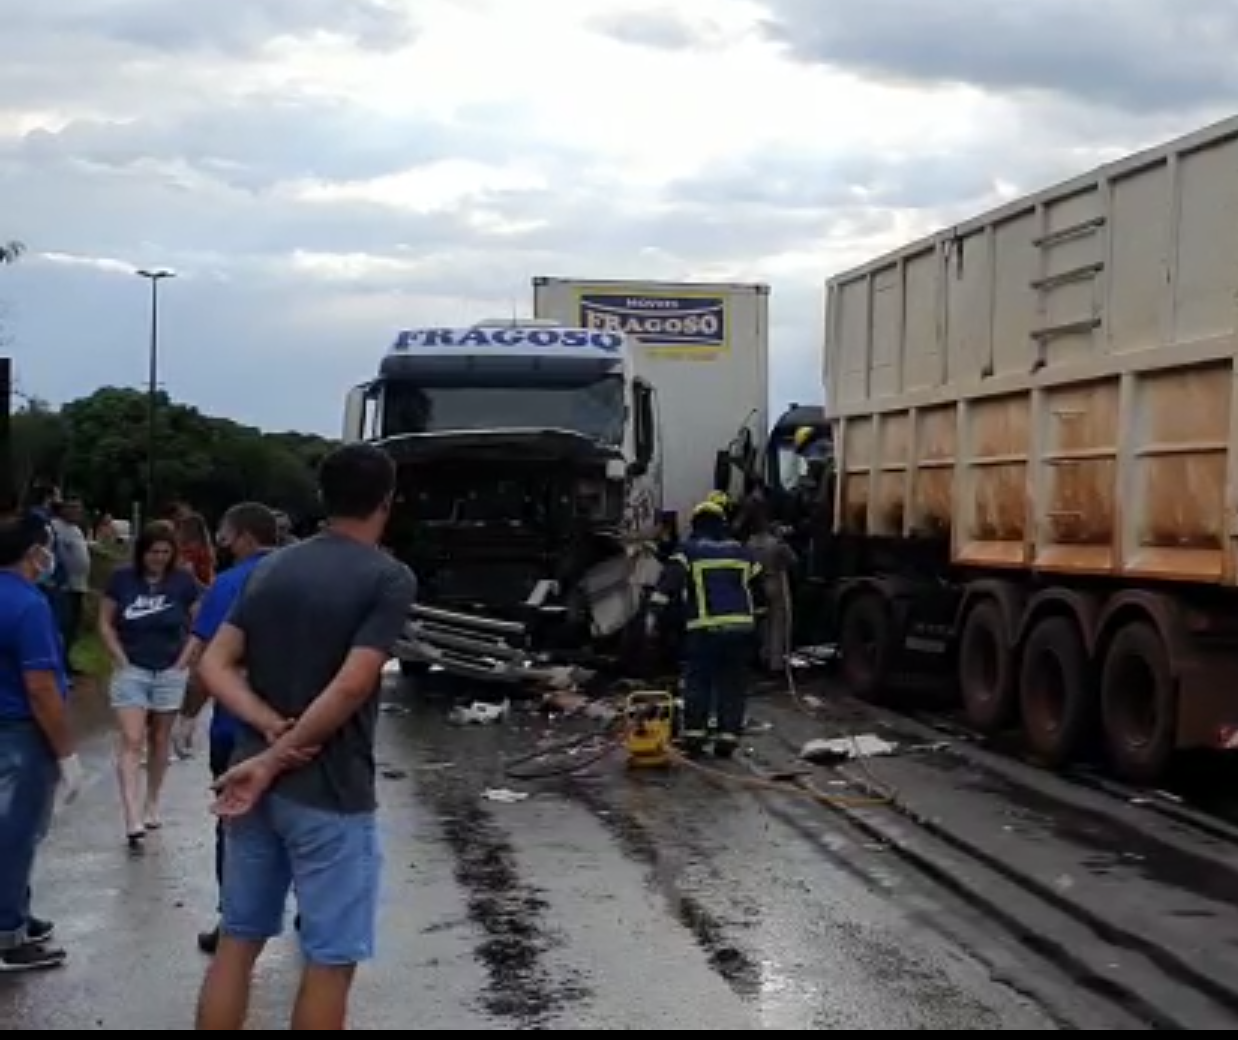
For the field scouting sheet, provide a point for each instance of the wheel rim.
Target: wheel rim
(862, 651)
(1133, 711)
(1047, 685)
(983, 667)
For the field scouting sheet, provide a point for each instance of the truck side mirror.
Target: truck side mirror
(646, 424)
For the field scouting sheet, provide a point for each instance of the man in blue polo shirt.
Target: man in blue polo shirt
(248, 533)
(36, 745)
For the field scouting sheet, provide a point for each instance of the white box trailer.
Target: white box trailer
(1047, 393)
(704, 347)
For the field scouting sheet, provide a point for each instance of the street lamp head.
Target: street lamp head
(156, 276)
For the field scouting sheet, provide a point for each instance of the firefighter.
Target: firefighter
(810, 444)
(724, 503)
(716, 579)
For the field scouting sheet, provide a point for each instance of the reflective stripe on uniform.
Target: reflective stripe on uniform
(704, 619)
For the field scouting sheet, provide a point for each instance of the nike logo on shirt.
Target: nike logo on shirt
(147, 606)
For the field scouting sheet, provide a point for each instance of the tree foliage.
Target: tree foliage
(95, 448)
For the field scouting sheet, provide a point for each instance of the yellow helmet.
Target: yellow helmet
(719, 498)
(803, 435)
(710, 507)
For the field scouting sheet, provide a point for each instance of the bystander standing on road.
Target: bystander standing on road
(193, 541)
(308, 641)
(36, 746)
(73, 559)
(247, 535)
(144, 621)
(286, 537)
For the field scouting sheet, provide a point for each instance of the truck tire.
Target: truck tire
(1055, 698)
(987, 677)
(866, 646)
(1139, 704)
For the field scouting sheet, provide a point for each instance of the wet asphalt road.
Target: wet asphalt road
(610, 901)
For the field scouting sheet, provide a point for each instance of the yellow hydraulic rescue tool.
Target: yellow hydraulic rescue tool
(650, 719)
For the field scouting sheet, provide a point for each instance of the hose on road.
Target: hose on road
(612, 738)
(591, 748)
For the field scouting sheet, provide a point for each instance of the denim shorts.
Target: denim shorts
(332, 861)
(160, 692)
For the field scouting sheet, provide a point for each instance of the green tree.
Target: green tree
(39, 444)
(96, 446)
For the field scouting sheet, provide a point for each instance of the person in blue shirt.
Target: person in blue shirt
(36, 746)
(248, 533)
(144, 621)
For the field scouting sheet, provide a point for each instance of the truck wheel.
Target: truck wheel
(1139, 704)
(987, 670)
(1054, 694)
(865, 645)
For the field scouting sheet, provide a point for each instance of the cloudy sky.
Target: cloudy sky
(321, 173)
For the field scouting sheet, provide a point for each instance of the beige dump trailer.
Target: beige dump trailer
(1036, 446)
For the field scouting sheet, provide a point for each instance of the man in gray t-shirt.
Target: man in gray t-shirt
(300, 662)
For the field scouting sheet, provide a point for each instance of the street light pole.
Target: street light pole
(152, 389)
(8, 486)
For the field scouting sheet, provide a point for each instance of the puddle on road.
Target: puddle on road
(510, 916)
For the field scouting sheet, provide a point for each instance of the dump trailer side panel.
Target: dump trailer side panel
(1052, 385)
(703, 346)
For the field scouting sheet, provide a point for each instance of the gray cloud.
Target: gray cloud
(661, 30)
(206, 183)
(1138, 55)
(137, 52)
(232, 27)
(264, 141)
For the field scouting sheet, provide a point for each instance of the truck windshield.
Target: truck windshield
(596, 409)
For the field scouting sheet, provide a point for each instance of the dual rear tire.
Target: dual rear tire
(1063, 699)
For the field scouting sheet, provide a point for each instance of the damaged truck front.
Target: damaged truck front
(529, 476)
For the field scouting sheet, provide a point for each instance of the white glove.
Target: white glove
(72, 776)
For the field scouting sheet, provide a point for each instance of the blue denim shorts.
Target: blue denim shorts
(333, 861)
(159, 692)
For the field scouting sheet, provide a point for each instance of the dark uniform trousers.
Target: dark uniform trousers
(715, 681)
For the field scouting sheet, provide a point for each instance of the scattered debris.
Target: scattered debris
(565, 702)
(504, 795)
(814, 656)
(845, 749)
(479, 713)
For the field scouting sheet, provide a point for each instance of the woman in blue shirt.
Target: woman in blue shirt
(144, 621)
(36, 746)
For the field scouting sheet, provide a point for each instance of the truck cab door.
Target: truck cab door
(361, 416)
(737, 463)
